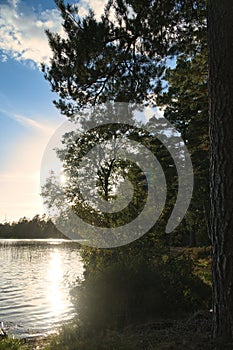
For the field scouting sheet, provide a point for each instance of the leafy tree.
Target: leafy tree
(105, 170)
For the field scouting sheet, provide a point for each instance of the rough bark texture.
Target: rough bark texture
(220, 42)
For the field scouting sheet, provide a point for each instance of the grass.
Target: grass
(183, 334)
(12, 344)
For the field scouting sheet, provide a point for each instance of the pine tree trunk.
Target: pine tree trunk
(220, 42)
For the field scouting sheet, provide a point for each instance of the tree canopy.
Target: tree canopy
(122, 56)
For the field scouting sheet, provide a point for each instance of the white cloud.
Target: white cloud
(3, 58)
(23, 34)
(14, 3)
(96, 5)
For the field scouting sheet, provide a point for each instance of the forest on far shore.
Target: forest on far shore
(37, 227)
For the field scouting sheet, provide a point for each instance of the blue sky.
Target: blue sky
(28, 118)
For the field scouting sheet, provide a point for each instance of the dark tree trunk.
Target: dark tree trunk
(220, 42)
(192, 238)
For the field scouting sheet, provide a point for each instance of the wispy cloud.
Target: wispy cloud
(33, 124)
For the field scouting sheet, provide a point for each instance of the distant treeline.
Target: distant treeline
(37, 227)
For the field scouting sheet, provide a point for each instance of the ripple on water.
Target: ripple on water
(35, 284)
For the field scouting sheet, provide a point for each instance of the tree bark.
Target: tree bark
(220, 43)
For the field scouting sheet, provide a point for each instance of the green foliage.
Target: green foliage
(168, 285)
(12, 344)
(120, 59)
(135, 291)
(125, 60)
(186, 107)
(108, 170)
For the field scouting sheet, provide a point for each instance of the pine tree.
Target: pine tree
(185, 104)
(220, 38)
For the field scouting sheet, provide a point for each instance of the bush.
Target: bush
(125, 293)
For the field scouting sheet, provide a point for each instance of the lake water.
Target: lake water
(35, 280)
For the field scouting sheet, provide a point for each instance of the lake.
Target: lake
(35, 281)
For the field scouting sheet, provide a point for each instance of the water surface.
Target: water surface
(35, 280)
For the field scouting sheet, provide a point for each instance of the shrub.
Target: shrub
(125, 293)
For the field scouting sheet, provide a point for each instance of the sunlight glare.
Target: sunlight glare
(55, 293)
(63, 179)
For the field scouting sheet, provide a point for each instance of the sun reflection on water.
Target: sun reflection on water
(55, 294)
(36, 279)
